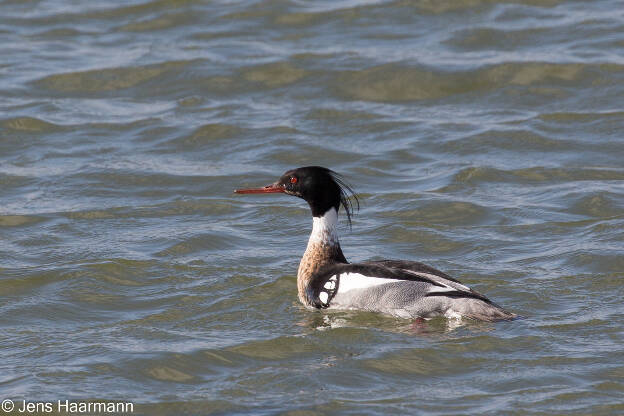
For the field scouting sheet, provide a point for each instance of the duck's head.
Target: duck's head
(320, 187)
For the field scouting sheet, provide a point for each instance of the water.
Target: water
(483, 138)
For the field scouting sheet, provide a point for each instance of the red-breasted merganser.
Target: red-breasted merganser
(401, 288)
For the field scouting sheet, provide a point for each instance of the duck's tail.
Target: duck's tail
(486, 311)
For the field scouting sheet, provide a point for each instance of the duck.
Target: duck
(401, 288)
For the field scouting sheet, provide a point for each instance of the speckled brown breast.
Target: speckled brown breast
(316, 256)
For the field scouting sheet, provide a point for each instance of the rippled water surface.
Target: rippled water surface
(485, 138)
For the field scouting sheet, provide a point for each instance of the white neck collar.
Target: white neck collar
(324, 228)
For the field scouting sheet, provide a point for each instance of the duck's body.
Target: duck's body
(406, 289)
(401, 288)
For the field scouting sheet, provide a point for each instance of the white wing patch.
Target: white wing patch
(438, 289)
(349, 281)
(330, 284)
(328, 291)
(440, 280)
(352, 281)
(323, 297)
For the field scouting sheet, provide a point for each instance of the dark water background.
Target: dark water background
(483, 137)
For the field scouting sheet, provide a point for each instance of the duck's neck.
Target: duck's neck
(323, 249)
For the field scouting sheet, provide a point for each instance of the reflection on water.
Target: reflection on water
(437, 328)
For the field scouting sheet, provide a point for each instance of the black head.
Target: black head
(322, 189)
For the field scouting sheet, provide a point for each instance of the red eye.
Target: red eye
(293, 180)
